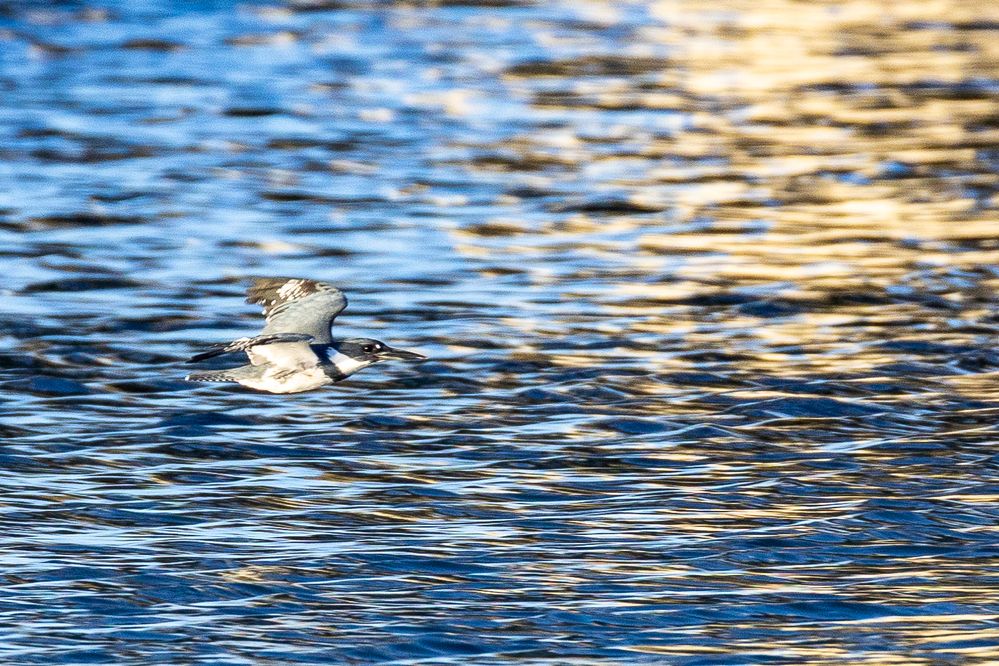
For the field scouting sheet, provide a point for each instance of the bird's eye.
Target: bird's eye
(368, 348)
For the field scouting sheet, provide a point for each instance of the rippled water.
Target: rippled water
(708, 291)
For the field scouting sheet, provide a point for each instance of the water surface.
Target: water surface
(708, 291)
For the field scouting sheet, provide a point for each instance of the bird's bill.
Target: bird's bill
(400, 354)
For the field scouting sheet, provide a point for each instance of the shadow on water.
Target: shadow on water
(708, 291)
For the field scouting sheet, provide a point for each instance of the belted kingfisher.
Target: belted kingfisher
(296, 351)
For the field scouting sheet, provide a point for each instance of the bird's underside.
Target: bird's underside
(270, 378)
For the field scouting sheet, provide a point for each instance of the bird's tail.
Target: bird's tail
(217, 376)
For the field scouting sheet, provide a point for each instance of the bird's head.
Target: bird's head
(352, 354)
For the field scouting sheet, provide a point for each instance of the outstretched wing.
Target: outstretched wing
(295, 305)
(244, 344)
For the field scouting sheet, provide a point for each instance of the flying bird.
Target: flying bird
(296, 350)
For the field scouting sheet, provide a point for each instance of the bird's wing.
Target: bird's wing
(294, 305)
(246, 344)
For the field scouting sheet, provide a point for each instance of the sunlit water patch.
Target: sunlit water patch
(708, 292)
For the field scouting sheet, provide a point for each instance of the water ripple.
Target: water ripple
(707, 293)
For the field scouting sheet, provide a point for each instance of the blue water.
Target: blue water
(707, 291)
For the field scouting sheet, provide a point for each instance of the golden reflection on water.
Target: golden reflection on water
(829, 151)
